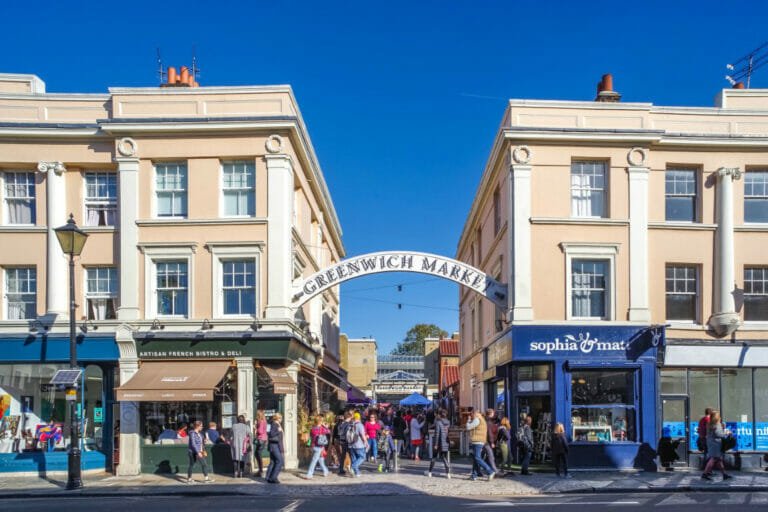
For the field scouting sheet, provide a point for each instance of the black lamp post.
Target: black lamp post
(72, 241)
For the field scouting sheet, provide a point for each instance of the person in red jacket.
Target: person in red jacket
(701, 442)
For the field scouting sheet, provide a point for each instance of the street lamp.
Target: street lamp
(72, 240)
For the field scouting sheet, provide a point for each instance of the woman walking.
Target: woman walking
(442, 447)
(372, 428)
(416, 441)
(503, 441)
(276, 449)
(560, 451)
(319, 436)
(260, 433)
(241, 445)
(715, 435)
(197, 452)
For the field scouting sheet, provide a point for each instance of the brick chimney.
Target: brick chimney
(605, 92)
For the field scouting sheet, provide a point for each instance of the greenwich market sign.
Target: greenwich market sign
(401, 261)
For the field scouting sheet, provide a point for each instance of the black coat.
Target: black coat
(276, 435)
(441, 435)
(559, 444)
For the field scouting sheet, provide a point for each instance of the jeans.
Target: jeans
(526, 460)
(714, 463)
(373, 448)
(479, 465)
(343, 457)
(490, 456)
(446, 462)
(275, 462)
(317, 456)
(194, 458)
(260, 445)
(358, 456)
(561, 463)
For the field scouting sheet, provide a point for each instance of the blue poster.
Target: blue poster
(673, 429)
(742, 430)
(762, 436)
(694, 430)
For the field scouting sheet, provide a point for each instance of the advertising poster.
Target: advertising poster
(673, 429)
(762, 436)
(742, 430)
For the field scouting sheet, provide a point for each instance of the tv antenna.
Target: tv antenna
(160, 72)
(195, 69)
(745, 66)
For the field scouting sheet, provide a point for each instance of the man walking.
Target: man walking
(490, 442)
(525, 438)
(357, 443)
(701, 442)
(478, 434)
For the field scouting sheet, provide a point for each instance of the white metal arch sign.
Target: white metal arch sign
(401, 261)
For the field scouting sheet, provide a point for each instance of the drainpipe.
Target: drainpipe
(725, 320)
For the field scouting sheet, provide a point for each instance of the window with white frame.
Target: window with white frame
(756, 196)
(239, 287)
(756, 294)
(20, 293)
(100, 198)
(239, 189)
(682, 292)
(171, 189)
(588, 189)
(680, 195)
(172, 288)
(19, 197)
(589, 288)
(101, 293)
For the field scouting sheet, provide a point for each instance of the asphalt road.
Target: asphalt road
(693, 502)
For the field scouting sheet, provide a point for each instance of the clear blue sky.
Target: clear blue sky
(402, 99)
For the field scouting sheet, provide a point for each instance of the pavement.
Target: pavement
(410, 480)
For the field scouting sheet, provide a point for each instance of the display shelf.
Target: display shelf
(593, 433)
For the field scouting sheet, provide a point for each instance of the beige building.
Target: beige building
(608, 221)
(361, 358)
(202, 206)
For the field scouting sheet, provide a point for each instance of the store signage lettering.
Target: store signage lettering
(375, 263)
(583, 344)
(190, 353)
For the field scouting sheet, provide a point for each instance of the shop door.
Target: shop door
(539, 408)
(675, 424)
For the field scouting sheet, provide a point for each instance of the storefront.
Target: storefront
(600, 382)
(34, 423)
(729, 378)
(211, 378)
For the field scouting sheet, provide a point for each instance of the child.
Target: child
(389, 450)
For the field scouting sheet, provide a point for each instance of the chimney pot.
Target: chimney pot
(738, 85)
(184, 75)
(171, 75)
(608, 82)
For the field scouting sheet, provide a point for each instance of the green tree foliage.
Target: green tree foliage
(413, 343)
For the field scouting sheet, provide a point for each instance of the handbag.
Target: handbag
(203, 453)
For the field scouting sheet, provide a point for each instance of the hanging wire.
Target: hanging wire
(398, 304)
(399, 286)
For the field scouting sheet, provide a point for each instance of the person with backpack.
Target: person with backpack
(715, 436)
(344, 446)
(442, 447)
(559, 445)
(525, 440)
(319, 439)
(357, 443)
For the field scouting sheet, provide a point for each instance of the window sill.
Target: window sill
(98, 229)
(756, 226)
(175, 221)
(22, 228)
(691, 326)
(692, 226)
(754, 325)
(597, 221)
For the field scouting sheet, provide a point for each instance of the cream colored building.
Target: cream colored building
(608, 221)
(202, 205)
(361, 358)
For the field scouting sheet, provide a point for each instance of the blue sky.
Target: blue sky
(402, 99)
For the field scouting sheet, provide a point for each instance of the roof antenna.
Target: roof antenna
(160, 72)
(195, 69)
(745, 66)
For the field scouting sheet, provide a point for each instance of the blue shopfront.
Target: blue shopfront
(600, 382)
(34, 427)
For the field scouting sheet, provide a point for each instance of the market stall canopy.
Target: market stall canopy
(282, 382)
(357, 396)
(415, 399)
(174, 381)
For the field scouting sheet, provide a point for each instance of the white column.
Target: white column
(279, 236)
(725, 320)
(56, 262)
(639, 308)
(130, 426)
(245, 387)
(519, 201)
(128, 168)
(290, 426)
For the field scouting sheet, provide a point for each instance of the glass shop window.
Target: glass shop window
(761, 409)
(673, 382)
(737, 405)
(703, 392)
(603, 406)
(533, 378)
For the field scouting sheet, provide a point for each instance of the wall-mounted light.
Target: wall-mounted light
(207, 326)
(255, 326)
(88, 325)
(156, 325)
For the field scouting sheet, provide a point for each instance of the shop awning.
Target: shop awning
(282, 382)
(174, 381)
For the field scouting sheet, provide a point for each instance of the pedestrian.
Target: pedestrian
(240, 445)
(490, 443)
(442, 446)
(390, 449)
(357, 442)
(503, 441)
(182, 433)
(197, 451)
(260, 434)
(398, 432)
(343, 444)
(319, 439)
(335, 447)
(372, 428)
(416, 440)
(276, 449)
(407, 417)
(525, 441)
(715, 435)
(478, 433)
(701, 430)
(212, 435)
(560, 451)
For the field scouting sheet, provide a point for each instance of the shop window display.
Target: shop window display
(761, 409)
(703, 392)
(737, 405)
(603, 406)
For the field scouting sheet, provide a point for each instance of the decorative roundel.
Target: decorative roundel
(637, 156)
(127, 146)
(274, 144)
(521, 154)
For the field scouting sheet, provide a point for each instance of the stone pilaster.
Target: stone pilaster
(130, 422)
(724, 319)
(56, 261)
(639, 307)
(279, 236)
(128, 169)
(290, 422)
(519, 201)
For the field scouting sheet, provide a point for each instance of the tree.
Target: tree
(413, 343)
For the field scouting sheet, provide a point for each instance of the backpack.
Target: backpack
(523, 440)
(321, 440)
(350, 434)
